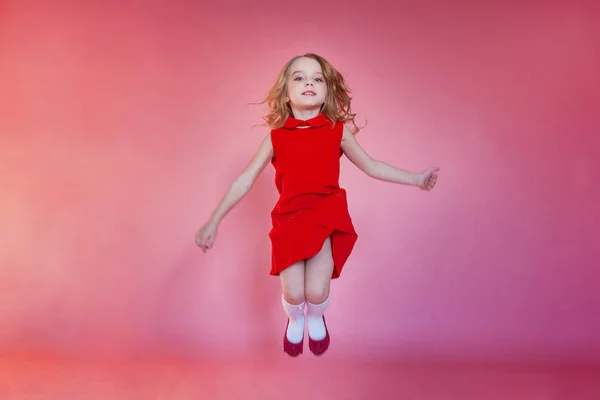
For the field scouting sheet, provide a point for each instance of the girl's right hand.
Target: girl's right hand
(206, 236)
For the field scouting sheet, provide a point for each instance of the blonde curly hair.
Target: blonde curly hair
(336, 107)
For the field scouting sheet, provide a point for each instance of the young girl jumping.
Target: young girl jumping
(312, 236)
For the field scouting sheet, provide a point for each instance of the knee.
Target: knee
(316, 294)
(294, 295)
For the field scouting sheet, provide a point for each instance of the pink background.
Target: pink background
(122, 125)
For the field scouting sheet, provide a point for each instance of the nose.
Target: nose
(308, 82)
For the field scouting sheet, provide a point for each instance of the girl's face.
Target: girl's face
(307, 89)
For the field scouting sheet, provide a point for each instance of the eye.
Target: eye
(297, 78)
(319, 79)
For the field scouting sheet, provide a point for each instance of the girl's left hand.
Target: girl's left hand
(428, 178)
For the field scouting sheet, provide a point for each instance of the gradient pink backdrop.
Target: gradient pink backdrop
(122, 125)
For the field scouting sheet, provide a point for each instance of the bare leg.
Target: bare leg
(292, 283)
(319, 269)
(293, 301)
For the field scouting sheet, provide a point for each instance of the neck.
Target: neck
(306, 114)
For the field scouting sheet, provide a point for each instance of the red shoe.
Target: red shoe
(319, 347)
(292, 349)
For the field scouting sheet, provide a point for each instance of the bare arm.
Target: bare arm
(244, 182)
(375, 168)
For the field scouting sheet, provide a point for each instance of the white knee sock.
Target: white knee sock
(314, 319)
(295, 313)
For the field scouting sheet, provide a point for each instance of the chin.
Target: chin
(309, 105)
(307, 102)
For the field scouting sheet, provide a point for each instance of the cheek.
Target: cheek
(289, 91)
(291, 87)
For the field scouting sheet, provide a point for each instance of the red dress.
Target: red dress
(312, 206)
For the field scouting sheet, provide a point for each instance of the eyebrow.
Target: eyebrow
(300, 72)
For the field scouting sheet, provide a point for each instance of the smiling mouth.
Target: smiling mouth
(309, 93)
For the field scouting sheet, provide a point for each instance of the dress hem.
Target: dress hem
(341, 239)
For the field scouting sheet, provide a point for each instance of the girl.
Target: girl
(312, 233)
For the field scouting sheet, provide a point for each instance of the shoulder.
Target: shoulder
(265, 149)
(347, 133)
(276, 135)
(277, 130)
(268, 140)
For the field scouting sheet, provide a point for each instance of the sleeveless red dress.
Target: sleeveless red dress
(312, 206)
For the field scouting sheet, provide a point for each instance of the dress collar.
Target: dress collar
(318, 121)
